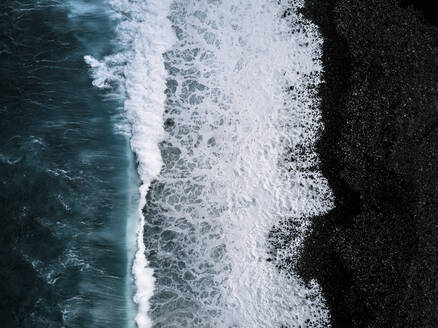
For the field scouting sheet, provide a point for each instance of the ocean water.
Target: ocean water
(149, 147)
(68, 177)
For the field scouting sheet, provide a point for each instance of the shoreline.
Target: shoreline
(375, 254)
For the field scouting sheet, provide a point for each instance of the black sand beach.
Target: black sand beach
(375, 253)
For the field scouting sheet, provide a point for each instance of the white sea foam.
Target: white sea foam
(241, 123)
(137, 73)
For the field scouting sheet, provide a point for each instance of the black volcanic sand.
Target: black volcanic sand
(375, 253)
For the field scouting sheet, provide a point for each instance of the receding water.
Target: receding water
(231, 129)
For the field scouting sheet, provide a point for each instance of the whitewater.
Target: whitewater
(222, 114)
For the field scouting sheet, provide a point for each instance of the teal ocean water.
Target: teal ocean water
(68, 179)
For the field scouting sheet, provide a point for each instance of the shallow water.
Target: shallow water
(231, 127)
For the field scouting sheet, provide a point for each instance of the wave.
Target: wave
(137, 74)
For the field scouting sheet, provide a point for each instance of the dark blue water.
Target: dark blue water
(66, 176)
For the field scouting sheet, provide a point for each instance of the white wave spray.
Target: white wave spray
(137, 74)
